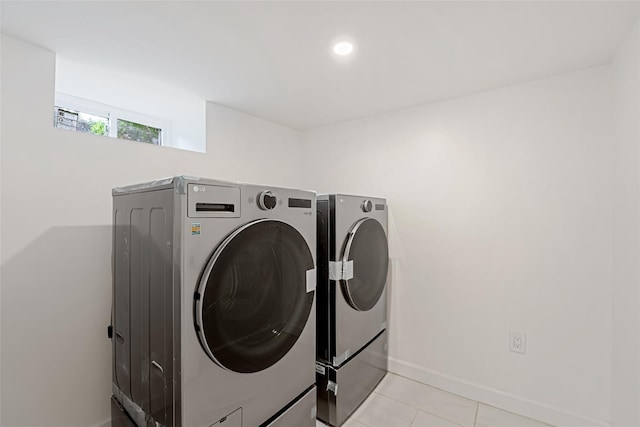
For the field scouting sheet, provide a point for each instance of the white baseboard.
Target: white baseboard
(493, 397)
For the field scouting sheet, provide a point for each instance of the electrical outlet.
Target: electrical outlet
(518, 342)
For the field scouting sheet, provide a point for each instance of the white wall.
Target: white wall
(184, 112)
(500, 219)
(56, 234)
(626, 194)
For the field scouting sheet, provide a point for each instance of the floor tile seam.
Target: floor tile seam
(469, 400)
(397, 401)
(441, 418)
(475, 419)
(357, 409)
(357, 419)
(542, 424)
(361, 422)
(422, 410)
(434, 387)
(353, 417)
(414, 418)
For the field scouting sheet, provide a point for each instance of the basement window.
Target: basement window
(67, 118)
(138, 132)
(81, 115)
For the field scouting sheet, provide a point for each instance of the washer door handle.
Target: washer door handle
(157, 366)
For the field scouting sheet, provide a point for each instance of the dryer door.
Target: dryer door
(366, 247)
(252, 301)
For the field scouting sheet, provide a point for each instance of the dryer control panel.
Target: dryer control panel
(213, 201)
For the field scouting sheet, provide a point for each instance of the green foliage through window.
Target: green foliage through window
(98, 128)
(138, 132)
(81, 122)
(67, 118)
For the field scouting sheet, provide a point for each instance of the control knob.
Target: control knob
(267, 200)
(367, 206)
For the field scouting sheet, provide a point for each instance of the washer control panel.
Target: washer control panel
(367, 206)
(213, 201)
(267, 200)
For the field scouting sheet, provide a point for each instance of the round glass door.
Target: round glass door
(367, 248)
(252, 303)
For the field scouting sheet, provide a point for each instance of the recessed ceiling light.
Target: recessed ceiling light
(343, 48)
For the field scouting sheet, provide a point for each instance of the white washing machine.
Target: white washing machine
(353, 259)
(214, 304)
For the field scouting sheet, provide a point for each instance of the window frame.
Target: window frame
(113, 114)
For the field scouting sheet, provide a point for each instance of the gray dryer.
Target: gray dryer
(353, 259)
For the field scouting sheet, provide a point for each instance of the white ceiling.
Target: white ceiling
(273, 60)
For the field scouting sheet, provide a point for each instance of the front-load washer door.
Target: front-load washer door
(366, 252)
(253, 299)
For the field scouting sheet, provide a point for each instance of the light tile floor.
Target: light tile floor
(400, 402)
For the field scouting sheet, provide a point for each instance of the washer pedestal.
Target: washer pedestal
(302, 413)
(119, 417)
(341, 390)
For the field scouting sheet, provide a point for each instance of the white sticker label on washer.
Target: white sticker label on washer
(333, 387)
(339, 270)
(347, 270)
(335, 270)
(311, 280)
(339, 360)
(321, 369)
